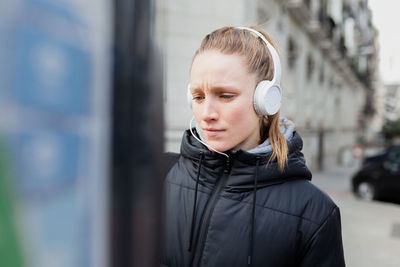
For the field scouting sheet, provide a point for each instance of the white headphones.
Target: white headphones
(268, 94)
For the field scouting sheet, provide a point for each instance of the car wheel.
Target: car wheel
(366, 191)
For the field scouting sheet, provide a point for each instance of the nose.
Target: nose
(210, 111)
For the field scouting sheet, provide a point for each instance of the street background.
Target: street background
(370, 229)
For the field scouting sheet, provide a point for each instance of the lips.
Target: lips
(211, 132)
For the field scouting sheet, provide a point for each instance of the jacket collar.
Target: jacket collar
(244, 164)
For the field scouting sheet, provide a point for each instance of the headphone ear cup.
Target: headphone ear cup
(189, 96)
(267, 98)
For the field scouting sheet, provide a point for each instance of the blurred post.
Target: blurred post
(137, 141)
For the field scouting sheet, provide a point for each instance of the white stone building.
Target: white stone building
(323, 71)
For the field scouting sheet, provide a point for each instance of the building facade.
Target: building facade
(392, 100)
(327, 54)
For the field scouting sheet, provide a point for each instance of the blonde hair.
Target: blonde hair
(230, 40)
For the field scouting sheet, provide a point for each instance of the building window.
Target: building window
(310, 66)
(292, 53)
(321, 74)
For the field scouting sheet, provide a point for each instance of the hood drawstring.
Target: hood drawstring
(251, 233)
(194, 203)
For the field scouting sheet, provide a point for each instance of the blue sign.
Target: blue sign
(50, 74)
(60, 8)
(47, 161)
(48, 49)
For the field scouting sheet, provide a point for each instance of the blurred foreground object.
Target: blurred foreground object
(55, 81)
(137, 141)
(80, 140)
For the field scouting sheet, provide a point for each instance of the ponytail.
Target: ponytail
(270, 128)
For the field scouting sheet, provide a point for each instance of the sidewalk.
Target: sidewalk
(371, 230)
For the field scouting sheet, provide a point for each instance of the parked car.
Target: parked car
(379, 176)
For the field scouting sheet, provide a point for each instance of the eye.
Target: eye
(198, 98)
(227, 96)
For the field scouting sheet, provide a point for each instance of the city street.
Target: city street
(371, 230)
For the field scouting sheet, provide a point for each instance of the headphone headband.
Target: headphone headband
(274, 54)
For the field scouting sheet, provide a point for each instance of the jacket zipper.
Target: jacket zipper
(205, 221)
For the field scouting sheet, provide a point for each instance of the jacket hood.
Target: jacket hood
(245, 164)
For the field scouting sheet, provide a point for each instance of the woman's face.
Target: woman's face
(222, 90)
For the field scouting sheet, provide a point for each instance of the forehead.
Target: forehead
(214, 66)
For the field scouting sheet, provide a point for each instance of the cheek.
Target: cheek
(196, 111)
(244, 115)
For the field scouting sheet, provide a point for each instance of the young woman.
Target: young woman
(239, 194)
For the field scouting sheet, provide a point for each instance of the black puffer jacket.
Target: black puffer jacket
(241, 211)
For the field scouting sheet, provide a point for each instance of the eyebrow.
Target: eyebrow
(216, 89)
